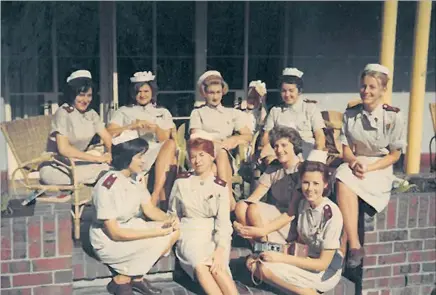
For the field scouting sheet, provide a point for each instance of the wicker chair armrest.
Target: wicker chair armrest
(34, 163)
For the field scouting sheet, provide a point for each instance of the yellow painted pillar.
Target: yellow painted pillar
(387, 50)
(417, 89)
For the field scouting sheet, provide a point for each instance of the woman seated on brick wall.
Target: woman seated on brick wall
(201, 201)
(219, 122)
(271, 220)
(312, 263)
(154, 124)
(373, 135)
(120, 236)
(72, 128)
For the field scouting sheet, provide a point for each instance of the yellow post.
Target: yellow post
(387, 50)
(417, 89)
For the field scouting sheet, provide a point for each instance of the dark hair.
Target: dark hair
(311, 166)
(122, 154)
(75, 87)
(201, 144)
(134, 89)
(291, 80)
(289, 133)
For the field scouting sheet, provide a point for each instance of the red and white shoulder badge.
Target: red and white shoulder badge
(68, 108)
(327, 212)
(390, 108)
(109, 181)
(310, 101)
(184, 175)
(219, 181)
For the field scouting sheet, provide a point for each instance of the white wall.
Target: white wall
(338, 102)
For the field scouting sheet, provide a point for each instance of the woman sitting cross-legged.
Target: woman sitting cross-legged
(271, 221)
(201, 202)
(318, 230)
(120, 236)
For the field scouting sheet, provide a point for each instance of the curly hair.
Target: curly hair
(311, 166)
(289, 133)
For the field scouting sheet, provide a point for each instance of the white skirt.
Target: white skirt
(197, 244)
(268, 213)
(322, 281)
(150, 155)
(374, 189)
(130, 258)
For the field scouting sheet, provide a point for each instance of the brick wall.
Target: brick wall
(400, 245)
(36, 252)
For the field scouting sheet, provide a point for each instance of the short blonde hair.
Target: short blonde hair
(381, 77)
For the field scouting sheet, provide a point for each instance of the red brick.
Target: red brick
(16, 266)
(5, 281)
(53, 290)
(423, 211)
(406, 269)
(420, 279)
(33, 279)
(391, 221)
(371, 238)
(426, 289)
(395, 282)
(370, 260)
(413, 211)
(392, 259)
(423, 233)
(35, 240)
(385, 248)
(49, 248)
(6, 251)
(380, 220)
(381, 283)
(422, 256)
(78, 271)
(432, 215)
(18, 291)
(375, 272)
(51, 264)
(65, 241)
(48, 225)
(385, 292)
(408, 246)
(368, 284)
(373, 293)
(430, 244)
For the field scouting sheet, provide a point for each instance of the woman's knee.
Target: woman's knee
(241, 210)
(252, 211)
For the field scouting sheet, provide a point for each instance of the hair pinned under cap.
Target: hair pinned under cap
(142, 77)
(317, 156)
(377, 68)
(259, 86)
(79, 74)
(211, 75)
(292, 72)
(126, 135)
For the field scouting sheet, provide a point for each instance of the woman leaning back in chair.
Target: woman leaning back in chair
(213, 120)
(154, 124)
(271, 220)
(72, 128)
(201, 201)
(120, 236)
(373, 135)
(318, 230)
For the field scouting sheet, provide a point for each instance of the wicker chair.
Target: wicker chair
(27, 139)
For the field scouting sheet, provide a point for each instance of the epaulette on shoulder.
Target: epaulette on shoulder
(219, 181)
(327, 212)
(184, 175)
(68, 108)
(354, 105)
(310, 101)
(199, 107)
(390, 108)
(109, 181)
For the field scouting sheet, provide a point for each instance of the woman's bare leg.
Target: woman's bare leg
(206, 280)
(254, 218)
(164, 171)
(241, 212)
(225, 283)
(349, 204)
(225, 173)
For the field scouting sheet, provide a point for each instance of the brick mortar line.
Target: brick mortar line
(36, 258)
(56, 232)
(36, 286)
(41, 232)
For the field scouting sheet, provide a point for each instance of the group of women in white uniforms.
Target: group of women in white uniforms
(132, 230)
